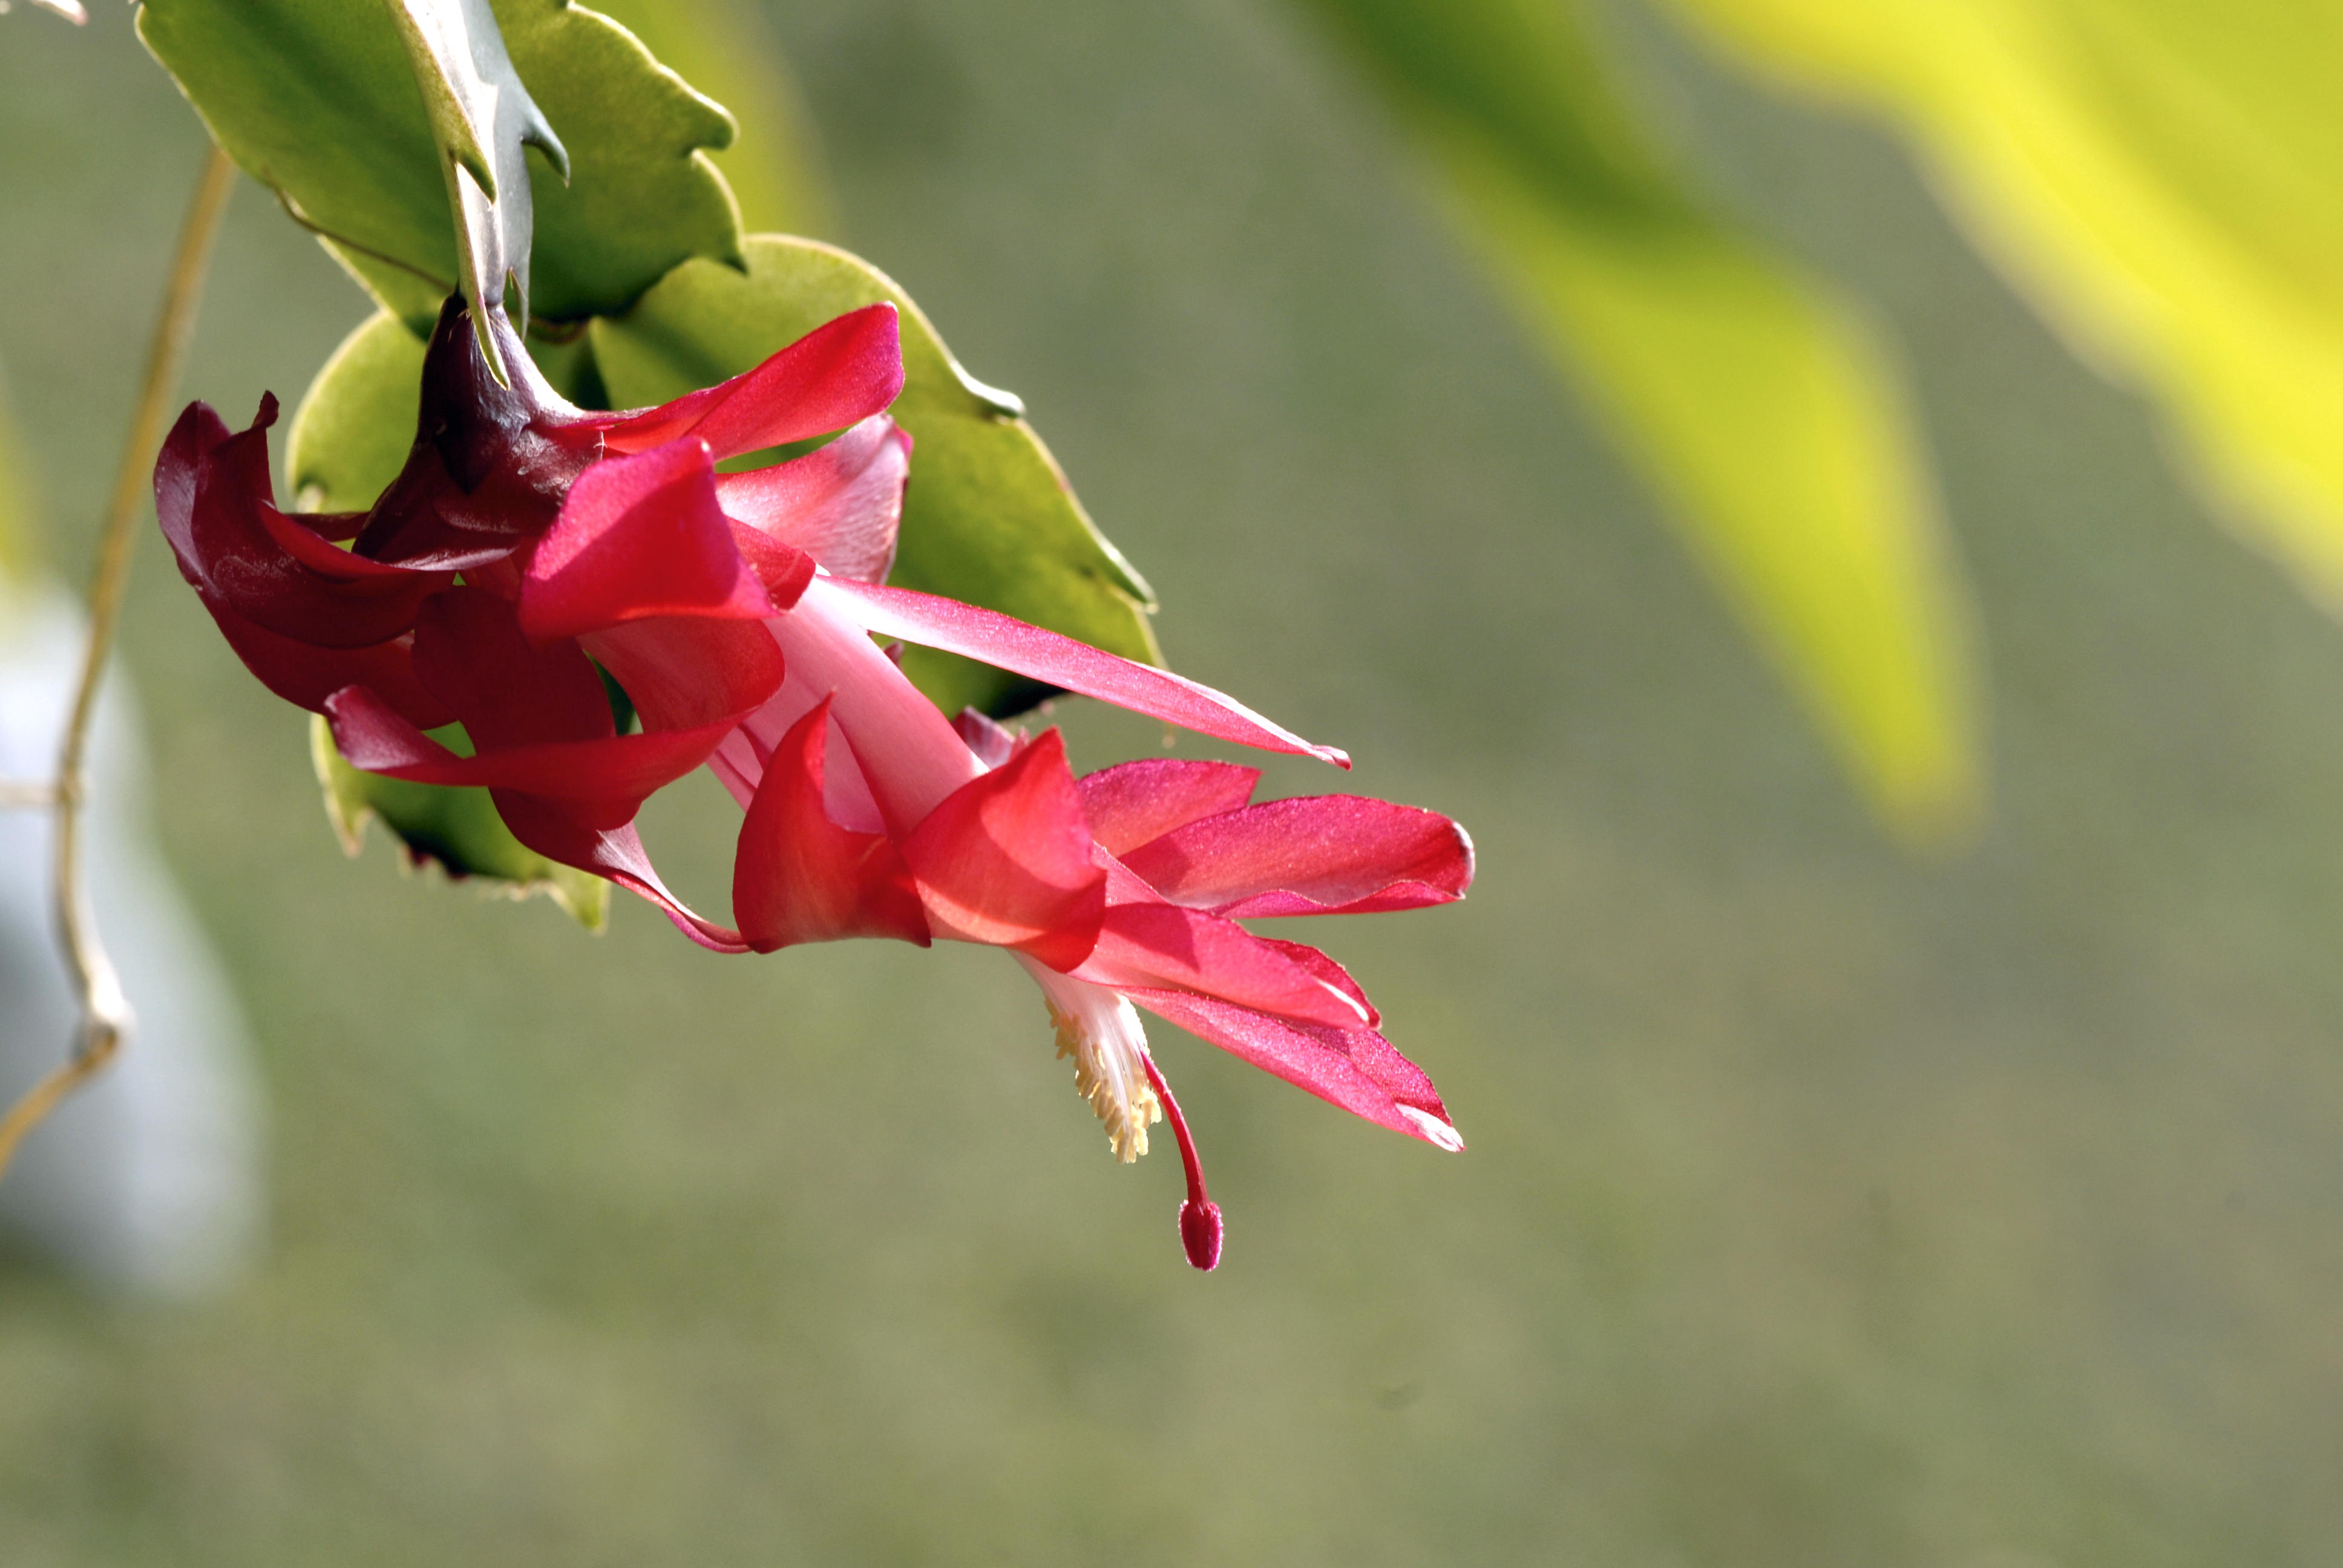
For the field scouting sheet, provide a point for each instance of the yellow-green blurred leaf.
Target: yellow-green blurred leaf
(1767, 419)
(2163, 178)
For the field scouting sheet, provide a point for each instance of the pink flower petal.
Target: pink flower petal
(1164, 946)
(1331, 973)
(1355, 1069)
(799, 875)
(841, 504)
(1314, 855)
(838, 375)
(1133, 802)
(638, 537)
(1012, 645)
(1006, 860)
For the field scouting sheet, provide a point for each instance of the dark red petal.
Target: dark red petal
(198, 431)
(617, 854)
(1355, 1069)
(538, 718)
(684, 672)
(340, 526)
(1313, 855)
(638, 537)
(1006, 860)
(838, 375)
(1165, 946)
(801, 877)
(468, 648)
(1133, 802)
(214, 500)
(603, 783)
(1045, 655)
(841, 504)
(306, 674)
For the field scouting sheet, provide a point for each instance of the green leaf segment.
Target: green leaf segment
(316, 100)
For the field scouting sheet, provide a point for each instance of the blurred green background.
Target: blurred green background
(1824, 1207)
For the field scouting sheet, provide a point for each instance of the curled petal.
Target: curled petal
(1355, 1069)
(1133, 802)
(640, 536)
(214, 500)
(1006, 860)
(1315, 855)
(553, 831)
(841, 504)
(799, 875)
(1013, 645)
(838, 375)
(1164, 946)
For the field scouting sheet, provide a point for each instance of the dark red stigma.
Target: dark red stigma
(1201, 1227)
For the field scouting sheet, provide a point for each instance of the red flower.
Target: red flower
(736, 613)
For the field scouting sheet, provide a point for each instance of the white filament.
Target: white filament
(1100, 1030)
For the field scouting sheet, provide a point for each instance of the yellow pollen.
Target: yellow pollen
(1107, 1073)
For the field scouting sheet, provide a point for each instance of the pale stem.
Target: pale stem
(105, 1014)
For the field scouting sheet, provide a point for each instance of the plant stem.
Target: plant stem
(105, 1013)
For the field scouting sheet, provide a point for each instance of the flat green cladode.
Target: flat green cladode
(317, 100)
